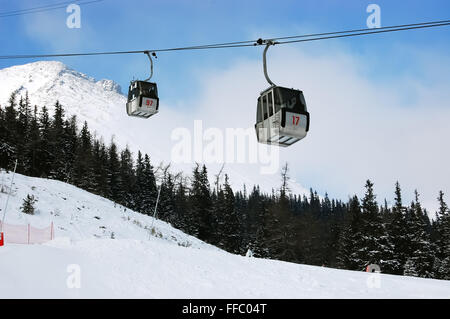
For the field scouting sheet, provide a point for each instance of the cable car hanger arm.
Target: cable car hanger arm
(151, 64)
(268, 44)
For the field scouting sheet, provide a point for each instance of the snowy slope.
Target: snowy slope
(102, 105)
(172, 265)
(80, 215)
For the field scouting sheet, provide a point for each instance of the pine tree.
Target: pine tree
(284, 190)
(442, 267)
(181, 207)
(9, 130)
(113, 173)
(226, 225)
(410, 268)
(217, 226)
(24, 116)
(399, 232)
(279, 232)
(83, 169)
(351, 240)
(149, 190)
(334, 227)
(140, 183)
(166, 210)
(421, 257)
(99, 167)
(232, 229)
(254, 230)
(376, 246)
(70, 144)
(28, 205)
(185, 221)
(201, 204)
(58, 144)
(128, 179)
(33, 140)
(44, 157)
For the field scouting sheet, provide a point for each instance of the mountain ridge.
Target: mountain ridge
(101, 104)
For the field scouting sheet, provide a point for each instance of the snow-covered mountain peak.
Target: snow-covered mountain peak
(43, 71)
(41, 66)
(110, 85)
(96, 102)
(48, 81)
(102, 105)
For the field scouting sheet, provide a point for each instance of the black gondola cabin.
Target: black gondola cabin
(143, 99)
(281, 118)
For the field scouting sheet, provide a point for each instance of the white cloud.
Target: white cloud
(360, 127)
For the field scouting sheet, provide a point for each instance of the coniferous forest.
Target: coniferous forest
(280, 225)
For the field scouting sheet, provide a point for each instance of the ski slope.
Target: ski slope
(168, 264)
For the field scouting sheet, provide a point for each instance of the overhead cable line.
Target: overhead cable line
(374, 31)
(362, 30)
(250, 43)
(45, 8)
(37, 8)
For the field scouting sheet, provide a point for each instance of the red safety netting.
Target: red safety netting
(26, 234)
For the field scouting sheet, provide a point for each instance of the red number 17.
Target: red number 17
(295, 119)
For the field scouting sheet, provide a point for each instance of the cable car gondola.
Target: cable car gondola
(281, 117)
(143, 98)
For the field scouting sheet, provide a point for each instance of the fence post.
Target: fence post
(51, 232)
(28, 234)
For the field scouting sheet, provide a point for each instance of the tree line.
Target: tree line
(280, 225)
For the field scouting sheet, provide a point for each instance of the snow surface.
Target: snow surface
(168, 265)
(102, 105)
(80, 215)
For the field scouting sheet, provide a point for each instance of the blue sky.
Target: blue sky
(387, 66)
(137, 24)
